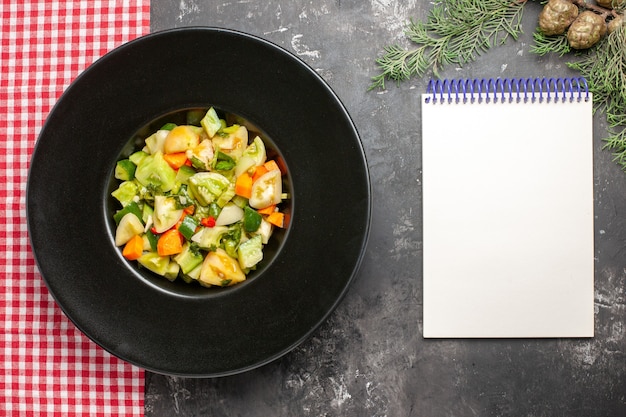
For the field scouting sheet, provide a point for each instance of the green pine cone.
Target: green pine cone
(556, 16)
(586, 31)
(609, 4)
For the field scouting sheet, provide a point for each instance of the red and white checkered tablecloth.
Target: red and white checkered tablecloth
(49, 368)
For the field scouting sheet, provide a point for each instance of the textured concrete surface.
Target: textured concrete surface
(369, 358)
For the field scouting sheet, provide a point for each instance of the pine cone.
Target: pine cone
(609, 3)
(556, 16)
(586, 31)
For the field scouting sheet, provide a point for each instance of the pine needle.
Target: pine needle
(455, 32)
(549, 44)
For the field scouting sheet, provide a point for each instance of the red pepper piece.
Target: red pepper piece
(208, 221)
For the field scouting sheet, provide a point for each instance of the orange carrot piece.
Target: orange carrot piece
(189, 210)
(243, 185)
(134, 248)
(277, 219)
(271, 165)
(175, 160)
(259, 171)
(170, 243)
(267, 210)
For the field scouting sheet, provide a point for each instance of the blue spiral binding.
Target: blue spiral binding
(508, 89)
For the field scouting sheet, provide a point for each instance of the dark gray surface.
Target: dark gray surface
(369, 358)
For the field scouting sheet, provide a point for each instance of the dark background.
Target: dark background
(369, 358)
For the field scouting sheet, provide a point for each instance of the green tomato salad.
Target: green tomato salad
(199, 200)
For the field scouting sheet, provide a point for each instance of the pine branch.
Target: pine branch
(605, 70)
(455, 32)
(616, 142)
(549, 44)
(399, 65)
(458, 31)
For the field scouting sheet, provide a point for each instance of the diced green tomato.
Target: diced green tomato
(211, 122)
(201, 155)
(207, 186)
(266, 190)
(250, 252)
(156, 141)
(184, 198)
(234, 143)
(184, 173)
(220, 269)
(131, 207)
(188, 259)
(146, 213)
(172, 271)
(129, 226)
(230, 214)
(154, 170)
(152, 239)
(230, 246)
(251, 220)
(240, 201)
(223, 162)
(180, 139)
(147, 246)
(227, 130)
(154, 262)
(214, 210)
(209, 237)
(244, 164)
(231, 240)
(194, 274)
(197, 163)
(265, 231)
(176, 188)
(224, 166)
(125, 170)
(126, 193)
(168, 126)
(166, 215)
(256, 151)
(188, 226)
(137, 157)
(227, 195)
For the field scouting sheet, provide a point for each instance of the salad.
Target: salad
(199, 201)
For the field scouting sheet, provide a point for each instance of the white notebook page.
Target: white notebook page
(508, 219)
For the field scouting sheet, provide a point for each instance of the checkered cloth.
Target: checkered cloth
(48, 367)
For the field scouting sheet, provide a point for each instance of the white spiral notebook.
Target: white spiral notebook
(508, 232)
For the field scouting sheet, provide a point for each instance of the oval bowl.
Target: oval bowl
(192, 331)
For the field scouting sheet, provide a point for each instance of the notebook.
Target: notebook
(508, 238)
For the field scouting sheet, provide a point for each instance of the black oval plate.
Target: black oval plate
(202, 333)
